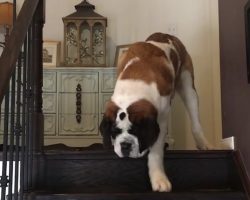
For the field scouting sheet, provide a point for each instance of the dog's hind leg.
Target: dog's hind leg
(186, 90)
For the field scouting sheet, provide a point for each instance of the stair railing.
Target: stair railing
(21, 120)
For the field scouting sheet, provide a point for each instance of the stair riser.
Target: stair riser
(132, 174)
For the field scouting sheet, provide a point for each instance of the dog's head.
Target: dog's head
(133, 130)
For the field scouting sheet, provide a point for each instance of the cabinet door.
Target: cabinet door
(107, 81)
(83, 123)
(78, 104)
(49, 81)
(104, 98)
(49, 102)
(49, 124)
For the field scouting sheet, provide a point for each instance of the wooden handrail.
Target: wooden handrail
(13, 46)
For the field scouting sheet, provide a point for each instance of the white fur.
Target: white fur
(124, 124)
(133, 60)
(129, 91)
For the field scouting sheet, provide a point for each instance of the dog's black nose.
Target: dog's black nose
(126, 148)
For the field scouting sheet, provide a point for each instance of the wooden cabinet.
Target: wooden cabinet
(73, 103)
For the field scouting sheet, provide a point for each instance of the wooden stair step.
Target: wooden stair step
(100, 174)
(185, 169)
(205, 195)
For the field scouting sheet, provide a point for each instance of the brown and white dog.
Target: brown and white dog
(135, 119)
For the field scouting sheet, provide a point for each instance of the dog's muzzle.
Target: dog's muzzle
(126, 148)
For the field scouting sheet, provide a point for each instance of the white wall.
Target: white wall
(196, 24)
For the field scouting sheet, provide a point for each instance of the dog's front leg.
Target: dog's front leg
(158, 178)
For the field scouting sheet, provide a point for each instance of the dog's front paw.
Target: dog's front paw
(160, 183)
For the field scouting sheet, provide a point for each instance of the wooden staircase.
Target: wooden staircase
(93, 174)
(101, 175)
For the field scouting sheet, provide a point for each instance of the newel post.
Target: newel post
(37, 31)
(36, 118)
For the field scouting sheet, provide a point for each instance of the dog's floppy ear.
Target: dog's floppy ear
(143, 116)
(147, 131)
(107, 123)
(105, 128)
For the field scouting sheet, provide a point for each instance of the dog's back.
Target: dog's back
(161, 53)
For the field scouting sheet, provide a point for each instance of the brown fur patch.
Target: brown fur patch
(142, 50)
(140, 110)
(111, 110)
(183, 56)
(153, 63)
(160, 37)
(166, 38)
(151, 67)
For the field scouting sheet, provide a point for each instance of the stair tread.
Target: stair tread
(101, 175)
(194, 169)
(181, 195)
(109, 154)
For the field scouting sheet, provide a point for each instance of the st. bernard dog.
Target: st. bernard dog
(135, 119)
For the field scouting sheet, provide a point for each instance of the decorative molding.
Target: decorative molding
(49, 102)
(49, 82)
(108, 81)
(50, 125)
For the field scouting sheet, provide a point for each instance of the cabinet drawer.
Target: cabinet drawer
(49, 81)
(104, 98)
(68, 103)
(49, 124)
(69, 126)
(107, 81)
(70, 81)
(49, 102)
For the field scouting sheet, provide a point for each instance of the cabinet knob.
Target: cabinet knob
(78, 103)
